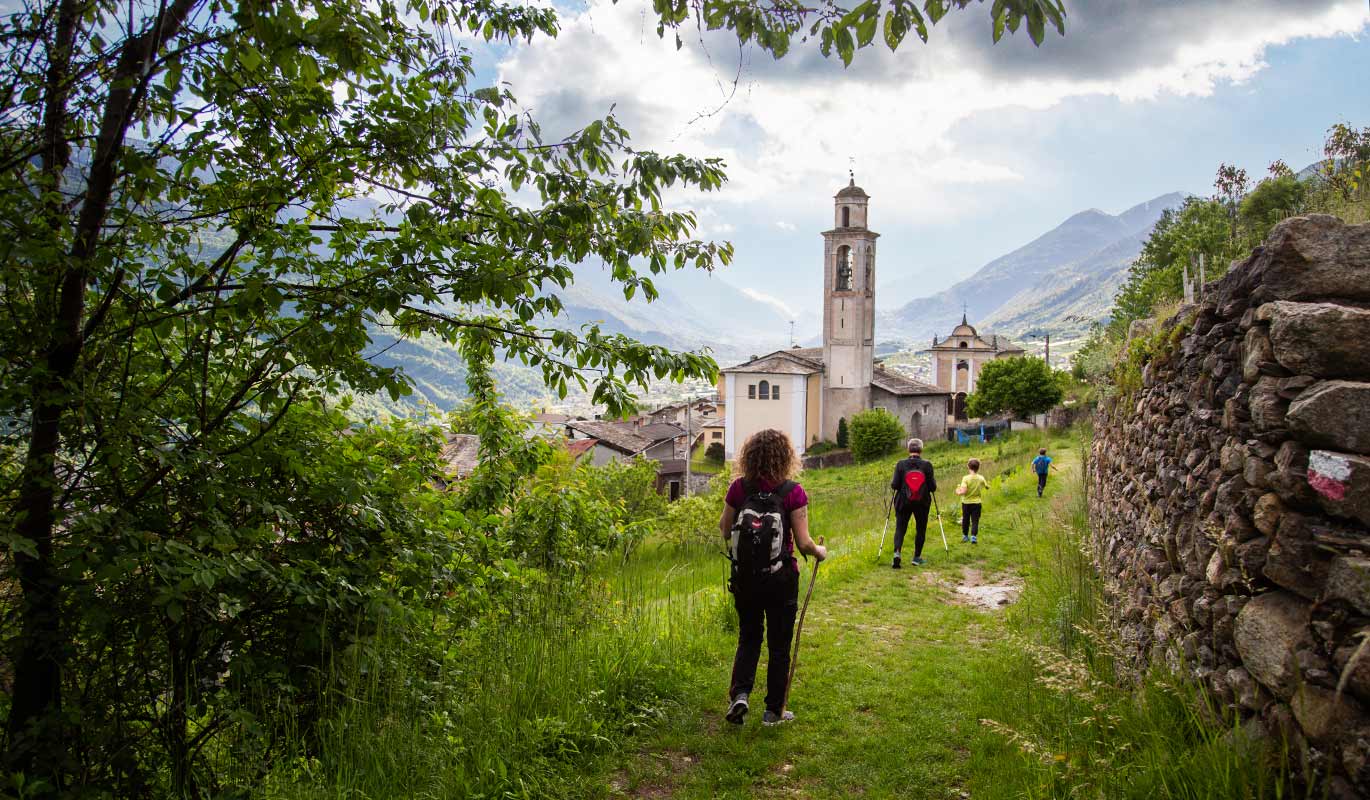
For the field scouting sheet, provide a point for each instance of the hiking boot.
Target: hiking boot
(918, 562)
(896, 563)
(972, 540)
(772, 718)
(737, 712)
(965, 538)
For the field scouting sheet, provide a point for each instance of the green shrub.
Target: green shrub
(819, 448)
(842, 432)
(874, 433)
(714, 452)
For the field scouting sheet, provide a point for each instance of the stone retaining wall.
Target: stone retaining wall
(834, 458)
(1230, 495)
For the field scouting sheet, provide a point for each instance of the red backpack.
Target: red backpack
(915, 484)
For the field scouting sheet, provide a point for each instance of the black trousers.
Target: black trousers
(767, 607)
(970, 519)
(1041, 482)
(919, 512)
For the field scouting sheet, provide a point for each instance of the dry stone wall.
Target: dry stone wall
(1230, 495)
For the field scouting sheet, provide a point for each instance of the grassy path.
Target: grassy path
(891, 674)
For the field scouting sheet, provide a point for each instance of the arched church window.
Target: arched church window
(846, 216)
(965, 344)
(764, 390)
(844, 268)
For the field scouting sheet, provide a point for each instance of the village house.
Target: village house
(458, 458)
(806, 392)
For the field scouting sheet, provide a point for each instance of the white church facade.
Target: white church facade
(806, 392)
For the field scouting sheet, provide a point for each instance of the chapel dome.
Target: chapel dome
(964, 329)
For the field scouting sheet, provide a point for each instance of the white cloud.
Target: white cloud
(787, 132)
(773, 302)
(786, 226)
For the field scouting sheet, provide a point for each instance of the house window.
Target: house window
(775, 392)
(751, 391)
(765, 392)
(718, 435)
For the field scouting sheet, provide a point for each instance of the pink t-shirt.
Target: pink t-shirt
(797, 498)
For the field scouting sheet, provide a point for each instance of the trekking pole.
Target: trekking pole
(939, 523)
(798, 629)
(889, 506)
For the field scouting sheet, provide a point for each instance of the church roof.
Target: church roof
(783, 362)
(901, 385)
(852, 190)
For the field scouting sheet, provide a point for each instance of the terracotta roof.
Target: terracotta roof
(460, 455)
(614, 435)
(897, 384)
(579, 447)
(547, 418)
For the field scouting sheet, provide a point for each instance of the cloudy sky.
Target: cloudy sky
(968, 149)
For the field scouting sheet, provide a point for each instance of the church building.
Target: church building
(958, 358)
(806, 392)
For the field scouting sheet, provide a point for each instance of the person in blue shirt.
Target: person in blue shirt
(1040, 465)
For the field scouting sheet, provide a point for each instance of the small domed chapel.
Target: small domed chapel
(806, 391)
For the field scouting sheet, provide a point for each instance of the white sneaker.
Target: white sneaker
(737, 712)
(771, 718)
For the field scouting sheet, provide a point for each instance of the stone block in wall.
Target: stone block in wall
(1266, 515)
(1356, 673)
(1333, 414)
(1245, 690)
(1342, 482)
(1249, 559)
(1258, 355)
(1325, 340)
(1323, 715)
(1348, 579)
(1269, 632)
(1266, 406)
(1315, 257)
(1295, 561)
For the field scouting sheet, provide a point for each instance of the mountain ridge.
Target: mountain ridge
(1065, 278)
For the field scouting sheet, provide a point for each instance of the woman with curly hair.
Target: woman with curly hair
(765, 517)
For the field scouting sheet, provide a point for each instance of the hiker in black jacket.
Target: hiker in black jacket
(916, 507)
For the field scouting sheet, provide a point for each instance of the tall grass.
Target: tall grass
(521, 704)
(1067, 714)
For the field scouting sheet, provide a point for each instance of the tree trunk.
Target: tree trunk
(36, 741)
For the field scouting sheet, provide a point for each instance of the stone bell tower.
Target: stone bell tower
(848, 309)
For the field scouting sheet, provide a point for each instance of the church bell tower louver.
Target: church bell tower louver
(848, 308)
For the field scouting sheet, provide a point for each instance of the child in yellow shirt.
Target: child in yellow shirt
(972, 490)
